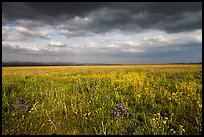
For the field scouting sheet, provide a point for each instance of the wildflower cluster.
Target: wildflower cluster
(120, 109)
(121, 129)
(177, 76)
(25, 104)
(165, 115)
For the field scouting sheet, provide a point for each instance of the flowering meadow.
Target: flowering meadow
(102, 100)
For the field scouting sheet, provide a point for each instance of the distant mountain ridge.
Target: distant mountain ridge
(19, 63)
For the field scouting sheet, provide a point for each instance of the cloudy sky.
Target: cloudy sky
(124, 33)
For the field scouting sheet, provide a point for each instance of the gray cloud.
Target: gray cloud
(34, 49)
(16, 33)
(56, 44)
(105, 17)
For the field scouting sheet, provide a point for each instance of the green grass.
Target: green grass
(160, 100)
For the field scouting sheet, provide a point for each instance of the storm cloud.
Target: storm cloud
(115, 31)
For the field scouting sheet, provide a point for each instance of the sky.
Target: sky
(102, 32)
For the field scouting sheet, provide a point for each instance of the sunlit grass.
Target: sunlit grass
(134, 99)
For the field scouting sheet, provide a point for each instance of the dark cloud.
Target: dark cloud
(56, 9)
(48, 11)
(65, 8)
(123, 16)
(17, 10)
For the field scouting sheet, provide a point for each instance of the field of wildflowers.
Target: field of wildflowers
(98, 100)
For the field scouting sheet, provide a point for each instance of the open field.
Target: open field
(88, 100)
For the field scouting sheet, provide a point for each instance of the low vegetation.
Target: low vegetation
(98, 100)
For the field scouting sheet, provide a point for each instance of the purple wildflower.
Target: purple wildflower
(124, 109)
(19, 100)
(26, 108)
(121, 129)
(118, 114)
(166, 115)
(119, 110)
(132, 114)
(23, 104)
(18, 105)
(115, 112)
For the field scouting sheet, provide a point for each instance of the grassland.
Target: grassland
(114, 100)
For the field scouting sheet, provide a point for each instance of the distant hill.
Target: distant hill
(18, 63)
